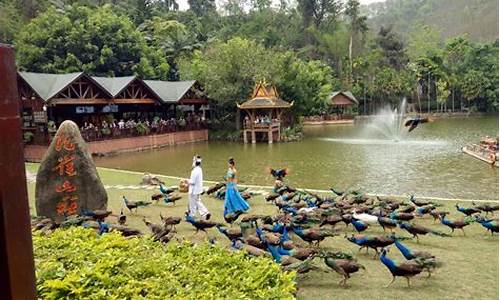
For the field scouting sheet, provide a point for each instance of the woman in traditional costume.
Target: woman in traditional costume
(234, 204)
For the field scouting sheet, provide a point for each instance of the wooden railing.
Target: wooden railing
(271, 125)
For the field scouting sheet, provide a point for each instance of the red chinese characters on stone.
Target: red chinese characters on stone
(63, 142)
(65, 187)
(67, 205)
(66, 166)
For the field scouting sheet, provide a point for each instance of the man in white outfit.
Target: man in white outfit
(195, 183)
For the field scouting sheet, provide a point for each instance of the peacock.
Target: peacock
(419, 202)
(360, 226)
(422, 210)
(170, 221)
(412, 123)
(401, 216)
(202, 225)
(486, 207)
(366, 218)
(251, 250)
(424, 258)
(387, 223)
(313, 235)
(166, 191)
(330, 220)
(457, 224)
(98, 215)
(230, 233)
(490, 225)
(134, 204)
(468, 211)
(437, 214)
(416, 230)
(278, 174)
(342, 266)
(103, 227)
(402, 269)
(122, 218)
(369, 241)
(171, 198)
(337, 192)
(215, 188)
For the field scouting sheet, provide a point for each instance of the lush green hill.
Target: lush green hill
(478, 18)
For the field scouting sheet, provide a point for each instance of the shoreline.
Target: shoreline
(264, 187)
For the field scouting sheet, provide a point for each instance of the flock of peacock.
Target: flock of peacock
(311, 218)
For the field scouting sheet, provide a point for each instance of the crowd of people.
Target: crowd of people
(136, 127)
(261, 120)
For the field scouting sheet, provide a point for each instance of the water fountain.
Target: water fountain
(389, 123)
(386, 128)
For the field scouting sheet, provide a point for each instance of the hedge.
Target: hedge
(76, 263)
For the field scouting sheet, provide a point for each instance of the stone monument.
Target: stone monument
(67, 181)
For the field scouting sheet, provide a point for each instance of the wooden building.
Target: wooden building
(342, 103)
(264, 113)
(83, 98)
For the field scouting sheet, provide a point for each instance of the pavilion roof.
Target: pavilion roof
(48, 85)
(170, 91)
(347, 94)
(114, 85)
(264, 96)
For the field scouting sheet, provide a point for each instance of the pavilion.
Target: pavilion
(341, 101)
(264, 112)
(83, 98)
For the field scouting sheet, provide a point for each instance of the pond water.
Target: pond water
(427, 162)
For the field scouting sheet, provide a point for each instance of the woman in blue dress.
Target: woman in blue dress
(234, 204)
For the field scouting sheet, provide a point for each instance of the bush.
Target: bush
(28, 137)
(76, 263)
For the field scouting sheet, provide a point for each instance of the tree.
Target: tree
(228, 71)
(84, 39)
(10, 21)
(393, 51)
(202, 8)
(319, 12)
(357, 25)
(173, 39)
(424, 41)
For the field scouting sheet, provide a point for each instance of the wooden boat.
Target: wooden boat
(487, 151)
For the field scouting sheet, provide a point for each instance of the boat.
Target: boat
(486, 150)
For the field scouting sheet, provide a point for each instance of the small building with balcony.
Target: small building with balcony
(263, 114)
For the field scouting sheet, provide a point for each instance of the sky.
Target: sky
(183, 4)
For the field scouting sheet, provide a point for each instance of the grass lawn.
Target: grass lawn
(470, 269)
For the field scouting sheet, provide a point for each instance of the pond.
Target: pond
(428, 162)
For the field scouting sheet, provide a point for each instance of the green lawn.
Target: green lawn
(470, 269)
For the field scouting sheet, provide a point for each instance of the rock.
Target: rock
(67, 181)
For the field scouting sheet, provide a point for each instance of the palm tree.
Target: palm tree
(173, 39)
(357, 25)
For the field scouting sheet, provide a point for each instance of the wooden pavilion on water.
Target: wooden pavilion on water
(264, 113)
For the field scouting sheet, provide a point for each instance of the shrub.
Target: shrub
(28, 137)
(76, 263)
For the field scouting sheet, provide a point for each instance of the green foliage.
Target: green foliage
(28, 137)
(10, 21)
(76, 263)
(228, 71)
(142, 129)
(479, 18)
(93, 40)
